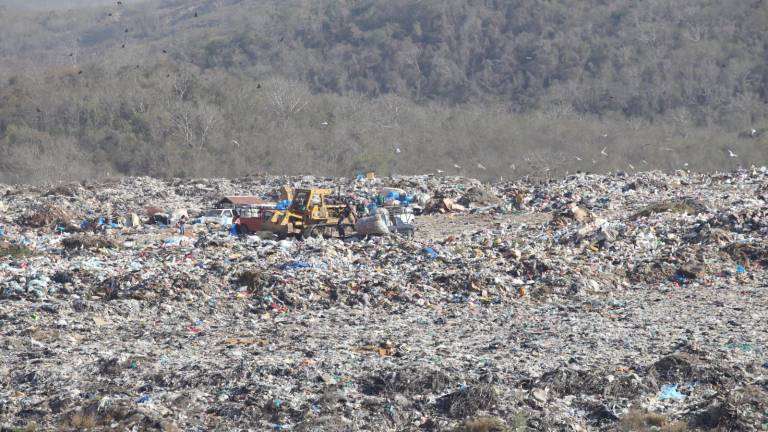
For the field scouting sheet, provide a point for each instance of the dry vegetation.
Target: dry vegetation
(230, 87)
(641, 421)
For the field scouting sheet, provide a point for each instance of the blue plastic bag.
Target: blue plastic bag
(669, 391)
(283, 205)
(430, 252)
(2, 231)
(740, 269)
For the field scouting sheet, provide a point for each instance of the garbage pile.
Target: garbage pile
(592, 302)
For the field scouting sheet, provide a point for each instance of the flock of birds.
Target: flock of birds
(603, 152)
(126, 31)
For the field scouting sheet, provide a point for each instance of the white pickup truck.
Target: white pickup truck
(216, 216)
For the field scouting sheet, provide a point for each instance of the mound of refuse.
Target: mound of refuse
(591, 302)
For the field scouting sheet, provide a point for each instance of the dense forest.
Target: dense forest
(484, 88)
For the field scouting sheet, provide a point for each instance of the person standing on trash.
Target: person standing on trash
(348, 213)
(237, 223)
(181, 224)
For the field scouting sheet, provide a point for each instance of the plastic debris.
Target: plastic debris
(552, 301)
(670, 392)
(430, 252)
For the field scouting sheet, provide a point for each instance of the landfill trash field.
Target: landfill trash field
(622, 302)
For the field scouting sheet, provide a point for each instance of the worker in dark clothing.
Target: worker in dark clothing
(348, 213)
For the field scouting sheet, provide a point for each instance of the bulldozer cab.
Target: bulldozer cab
(308, 211)
(310, 203)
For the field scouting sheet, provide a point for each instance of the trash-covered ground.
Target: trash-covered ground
(623, 302)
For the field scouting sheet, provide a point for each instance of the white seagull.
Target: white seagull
(732, 154)
(236, 143)
(479, 165)
(602, 152)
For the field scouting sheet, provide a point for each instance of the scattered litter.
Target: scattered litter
(550, 304)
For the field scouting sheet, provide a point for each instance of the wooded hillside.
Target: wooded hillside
(498, 88)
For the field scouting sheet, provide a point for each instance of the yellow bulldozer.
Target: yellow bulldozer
(311, 215)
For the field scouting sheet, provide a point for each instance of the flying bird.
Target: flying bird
(479, 165)
(602, 152)
(732, 154)
(512, 167)
(632, 167)
(323, 124)
(440, 171)
(456, 166)
(236, 143)
(397, 150)
(577, 158)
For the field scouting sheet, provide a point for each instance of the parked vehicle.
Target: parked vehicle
(253, 218)
(216, 216)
